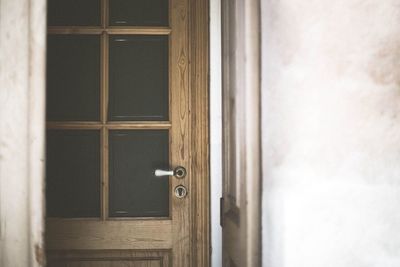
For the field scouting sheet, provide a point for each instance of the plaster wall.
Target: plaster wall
(22, 94)
(331, 133)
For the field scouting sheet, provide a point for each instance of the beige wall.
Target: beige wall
(331, 133)
(22, 50)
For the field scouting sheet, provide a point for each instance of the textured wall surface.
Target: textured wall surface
(22, 61)
(331, 133)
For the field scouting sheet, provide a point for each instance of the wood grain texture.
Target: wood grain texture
(232, 248)
(200, 145)
(109, 258)
(96, 234)
(104, 68)
(104, 185)
(180, 132)
(109, 125)
(111, 30)
(186, 233)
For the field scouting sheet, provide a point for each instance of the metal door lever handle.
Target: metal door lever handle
(160, 173)
(179, 172)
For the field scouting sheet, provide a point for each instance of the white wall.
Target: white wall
(22, 94)
(215, 131)
(331, 133)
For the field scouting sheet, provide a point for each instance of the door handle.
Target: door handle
(178, 172)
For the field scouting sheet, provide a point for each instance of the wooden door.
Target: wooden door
(241, 137)
(119, 102)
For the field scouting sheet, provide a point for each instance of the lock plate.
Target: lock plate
(180, 191)
(180, 172)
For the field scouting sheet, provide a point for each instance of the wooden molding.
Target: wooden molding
(114, 257)
(110, 30)
(199, 69)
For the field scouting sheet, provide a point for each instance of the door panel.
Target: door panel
(111, 234)
(141, 99)
(122, 258)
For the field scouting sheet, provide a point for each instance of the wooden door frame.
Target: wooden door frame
(199, 115)
(241, 72)
(199, 141)
(197, 71)
(195, 16)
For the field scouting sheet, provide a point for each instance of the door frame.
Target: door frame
(241, 208)
(29, 91)
(194, 36)
(200, 139)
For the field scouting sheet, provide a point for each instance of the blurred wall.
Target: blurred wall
(331, 133)
(22, 94)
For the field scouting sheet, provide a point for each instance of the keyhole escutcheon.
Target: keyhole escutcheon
(180, 191)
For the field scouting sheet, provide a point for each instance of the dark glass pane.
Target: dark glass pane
(73, 77)
(73, 173)
(134, 190)
(138, 78)
(74, 12)
(138, 12)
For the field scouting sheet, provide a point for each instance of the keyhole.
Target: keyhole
(180, 191)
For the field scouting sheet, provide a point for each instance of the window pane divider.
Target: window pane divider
(110, 30)
(109, 125)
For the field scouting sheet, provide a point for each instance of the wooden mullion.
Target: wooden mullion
(127, 126)
(104, 13)
(108, 125)
(104, 174)
(104, 78)
(107, 13)
(74, 30)
(74, 126)
(103, 112)
(139, 30)
(110, 30)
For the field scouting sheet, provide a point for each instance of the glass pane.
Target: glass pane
(139, 13)
(134, 190)
(73, 173)
(138, 78)
(74, 12)
(73, 77)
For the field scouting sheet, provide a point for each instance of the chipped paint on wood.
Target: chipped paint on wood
(40, 255)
